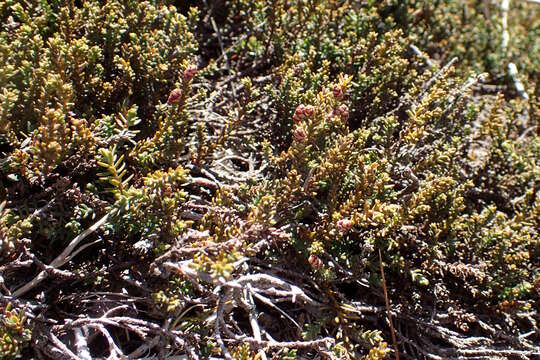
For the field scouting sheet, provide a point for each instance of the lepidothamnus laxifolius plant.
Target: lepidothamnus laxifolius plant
(15, 331)
(256, 179)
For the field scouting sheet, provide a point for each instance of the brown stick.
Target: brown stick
(61, 259)
(388, 313)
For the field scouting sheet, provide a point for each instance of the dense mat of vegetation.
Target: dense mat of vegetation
(268, 179)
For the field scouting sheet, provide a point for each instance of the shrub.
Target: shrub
(15, 332)
(241, 179)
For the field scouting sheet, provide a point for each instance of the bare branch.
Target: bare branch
(61, 259)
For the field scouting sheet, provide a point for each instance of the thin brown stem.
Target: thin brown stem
(388, 313)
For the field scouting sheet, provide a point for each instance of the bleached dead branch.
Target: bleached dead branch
(512, 68)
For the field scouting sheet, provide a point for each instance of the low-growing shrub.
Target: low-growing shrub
(254, 179)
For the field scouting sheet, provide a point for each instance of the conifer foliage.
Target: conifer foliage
(269, 179)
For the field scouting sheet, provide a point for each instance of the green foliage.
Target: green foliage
(174, 298)
(348, 191)
(397, 167)
(13, 229)
(115, 169)
(61, 75)
(290, 139)
(152, 211)
(14, 332)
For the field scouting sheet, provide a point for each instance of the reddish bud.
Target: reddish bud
(190, 72)
(418, 13)
(344, 224)
(300, 134)
(174, 97)
(338, 92)
(303, 111)
(299, 113)
(315, 261)
(342, 111)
